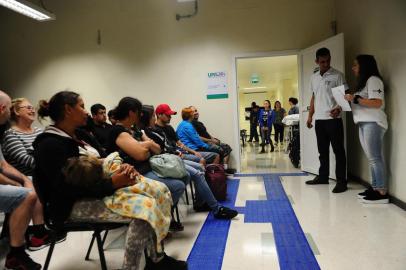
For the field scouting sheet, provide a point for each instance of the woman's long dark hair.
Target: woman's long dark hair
(126, 105)
(280, 105)
(367, 68)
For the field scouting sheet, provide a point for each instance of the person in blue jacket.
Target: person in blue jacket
(265, 120)
(188, 136)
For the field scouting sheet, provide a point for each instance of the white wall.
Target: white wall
(146, 53)
(378, 28)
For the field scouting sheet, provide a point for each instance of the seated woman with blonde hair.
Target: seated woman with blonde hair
(17, 141)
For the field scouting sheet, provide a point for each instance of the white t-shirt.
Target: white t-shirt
(321, 86)
(373, 89)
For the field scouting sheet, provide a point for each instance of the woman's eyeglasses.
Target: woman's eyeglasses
(28, 107)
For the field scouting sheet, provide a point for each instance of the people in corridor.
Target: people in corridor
(265, 120)
(254, 123)
(280, 113)
(294, 109)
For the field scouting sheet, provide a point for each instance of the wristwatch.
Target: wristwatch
(356, 99)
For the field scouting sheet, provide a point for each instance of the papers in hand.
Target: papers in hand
(338, 94)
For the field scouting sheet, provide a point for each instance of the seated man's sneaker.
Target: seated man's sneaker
(20, 261)
(202, 208)
(225, 213)
(37, 243)
(317, 181)
(375, 197)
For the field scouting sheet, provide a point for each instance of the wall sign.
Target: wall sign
(254, 78)
(217, 85)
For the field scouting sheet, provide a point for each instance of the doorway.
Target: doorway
(260, 78)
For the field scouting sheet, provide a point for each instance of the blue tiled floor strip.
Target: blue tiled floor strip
(208, 250)
(294, 251)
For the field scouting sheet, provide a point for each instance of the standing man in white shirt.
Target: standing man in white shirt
(329, 125)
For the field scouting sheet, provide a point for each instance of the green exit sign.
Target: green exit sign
(254, 78)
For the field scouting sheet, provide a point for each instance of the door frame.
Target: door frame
(235, 95)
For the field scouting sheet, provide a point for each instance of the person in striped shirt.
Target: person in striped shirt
(17, 141)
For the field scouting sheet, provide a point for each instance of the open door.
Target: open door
(308, 143)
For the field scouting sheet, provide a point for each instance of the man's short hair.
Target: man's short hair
(111, 113)
(322, 52)
(187, 113)
(293, 100)
(96, 107)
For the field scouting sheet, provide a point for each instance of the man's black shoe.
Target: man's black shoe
(340, 187)
(225, 213)
(317, 181)
(202, 208)
(262, 151)
(231, 171)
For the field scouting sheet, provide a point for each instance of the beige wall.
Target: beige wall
(378, 28)
(146, 53)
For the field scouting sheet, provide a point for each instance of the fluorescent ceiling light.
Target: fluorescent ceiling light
(28, 9)
(257, 87)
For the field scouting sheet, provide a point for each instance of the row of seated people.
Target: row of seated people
(105, 177)
(192, 141)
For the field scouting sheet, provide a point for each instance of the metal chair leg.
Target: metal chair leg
(5, 232)
(90, 248)
(187, 196)
(92, 242)
(101, 251)
(177, 214)
(105, 236)
(50, 251)
(192, 192)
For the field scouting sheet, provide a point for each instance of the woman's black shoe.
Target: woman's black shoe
(176, 226)
(167, 263)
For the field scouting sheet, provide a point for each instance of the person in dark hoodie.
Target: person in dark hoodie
(53, 148)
